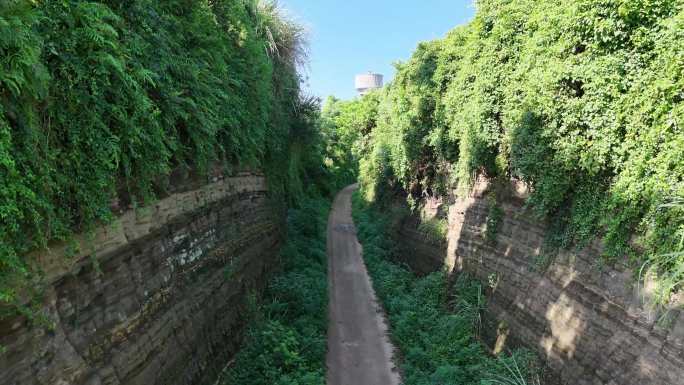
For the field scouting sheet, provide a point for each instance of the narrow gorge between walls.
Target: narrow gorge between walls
(173, 210)
(587, 321)
(166, 302)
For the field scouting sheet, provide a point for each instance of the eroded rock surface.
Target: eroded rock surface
(164, 304)
(583, 317)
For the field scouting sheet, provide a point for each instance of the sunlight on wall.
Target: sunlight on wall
(566, 326)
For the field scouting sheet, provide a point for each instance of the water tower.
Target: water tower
(368, 82)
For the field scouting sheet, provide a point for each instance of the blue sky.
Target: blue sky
(353, 36)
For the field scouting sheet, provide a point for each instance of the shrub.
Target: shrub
(434, 228)
(286, 342)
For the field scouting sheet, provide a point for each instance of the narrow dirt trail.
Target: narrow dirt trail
(359, 351)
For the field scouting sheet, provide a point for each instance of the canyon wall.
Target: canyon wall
(158, 297)
(584, 318)
(416, 249)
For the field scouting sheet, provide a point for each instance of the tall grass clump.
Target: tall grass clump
(433, 324)
(286, 342)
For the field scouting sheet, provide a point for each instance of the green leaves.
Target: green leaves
(581, 100)
(286, 344)
(346, 126)
(100, 100)
(432, 322)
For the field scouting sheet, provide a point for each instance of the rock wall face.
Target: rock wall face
(165, 302)
(584, 319)
(423, 254)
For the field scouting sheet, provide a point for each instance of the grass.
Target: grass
(433, 324)
(434, 228)
(286, 343)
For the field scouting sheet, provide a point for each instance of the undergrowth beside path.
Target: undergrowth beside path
(286, 342)
(432, 324)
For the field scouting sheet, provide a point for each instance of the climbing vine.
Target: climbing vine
(101, 100)
(581, 100)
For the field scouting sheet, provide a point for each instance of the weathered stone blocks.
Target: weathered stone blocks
(165, 302)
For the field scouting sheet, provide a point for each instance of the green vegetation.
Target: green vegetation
(433, 324)
(101, 100)
(582, 100)
(346, 127)
(660, 267)
(434, 229)
(286, 343)
(494, 216)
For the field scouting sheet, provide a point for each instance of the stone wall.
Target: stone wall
(158, 297)
(423, 254)
(585, 319)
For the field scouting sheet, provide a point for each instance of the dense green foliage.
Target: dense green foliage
(286, 343)
(582, 100)
(434, 229)
(101, 100)
(346, 127)
(433, 324)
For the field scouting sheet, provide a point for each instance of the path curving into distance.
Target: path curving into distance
(359, 350)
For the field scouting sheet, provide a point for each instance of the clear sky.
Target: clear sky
(353, 36)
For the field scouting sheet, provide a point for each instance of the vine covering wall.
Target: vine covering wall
(100, 100)
(581, 100)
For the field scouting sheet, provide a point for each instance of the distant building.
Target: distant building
(368, 82)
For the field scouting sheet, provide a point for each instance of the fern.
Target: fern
(103, 97)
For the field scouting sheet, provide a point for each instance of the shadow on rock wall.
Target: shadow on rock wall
(166, 302)
(582, 317)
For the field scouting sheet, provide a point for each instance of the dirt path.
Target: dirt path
(359, 351)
